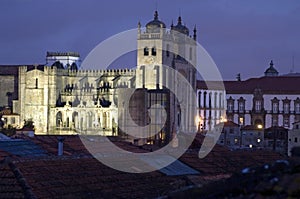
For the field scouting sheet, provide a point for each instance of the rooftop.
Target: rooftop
(269, 85)
(77, 174)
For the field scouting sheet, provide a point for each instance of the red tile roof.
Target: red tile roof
(12, 183)
(221, 161)
(276, 128)
(228, 124)
(251, 127)
(269, 85)
(3, 154)
(78, 175)
(87, 177)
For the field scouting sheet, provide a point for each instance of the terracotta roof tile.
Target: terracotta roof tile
(78, 175)
(223, 161)
(228, 124)
(86, 177)
(270, 85)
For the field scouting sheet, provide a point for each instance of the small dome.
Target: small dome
(155, 25)
(180, 28)
(271, 71)
(58, 65)
(74, 66)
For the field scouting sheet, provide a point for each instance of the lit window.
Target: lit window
(258, 140)
(241, 120)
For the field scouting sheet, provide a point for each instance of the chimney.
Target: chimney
(60, 150)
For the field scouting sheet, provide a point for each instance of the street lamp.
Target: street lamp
(259, 126)
(4, 120)
(198, 121)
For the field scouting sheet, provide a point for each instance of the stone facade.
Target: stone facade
(60, 98)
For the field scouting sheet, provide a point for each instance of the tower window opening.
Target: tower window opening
(36, 82)
(146, 51)
(153, 53)
(168, 50)
(191, 53)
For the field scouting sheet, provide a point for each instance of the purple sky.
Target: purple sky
(241, 36)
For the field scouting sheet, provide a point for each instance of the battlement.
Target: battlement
(168, 35)
(109, 72)
(92, 73)
(72, 54)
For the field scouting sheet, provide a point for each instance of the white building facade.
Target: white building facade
(266, 101)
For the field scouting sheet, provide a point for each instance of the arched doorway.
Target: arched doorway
(58, 119)
(75, 120)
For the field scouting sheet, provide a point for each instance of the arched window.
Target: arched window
(36, 82)
(258, 105)
(199, 99)
(168, 50)
(204, 100)
(191, 53)
(215, 100)
(146, 51)
(153, 52)
(58, 119)
(209, 100)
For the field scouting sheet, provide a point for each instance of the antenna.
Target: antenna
(293, 64)
(156, 5)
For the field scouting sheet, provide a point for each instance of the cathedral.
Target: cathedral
(60, 98)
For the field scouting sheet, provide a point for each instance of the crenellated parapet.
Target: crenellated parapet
(108, 72)
(22, 69)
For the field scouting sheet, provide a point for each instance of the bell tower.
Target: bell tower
(160, 52)
(158, 47)
(153, 45)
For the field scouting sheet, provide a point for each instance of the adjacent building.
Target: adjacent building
(276, 139)
(270, 100)
(294, 137)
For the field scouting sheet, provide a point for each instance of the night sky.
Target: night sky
(241, 36)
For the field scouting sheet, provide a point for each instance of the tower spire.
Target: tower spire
(155, 15)
(179, 20)
(195, 33)
(271, 63)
